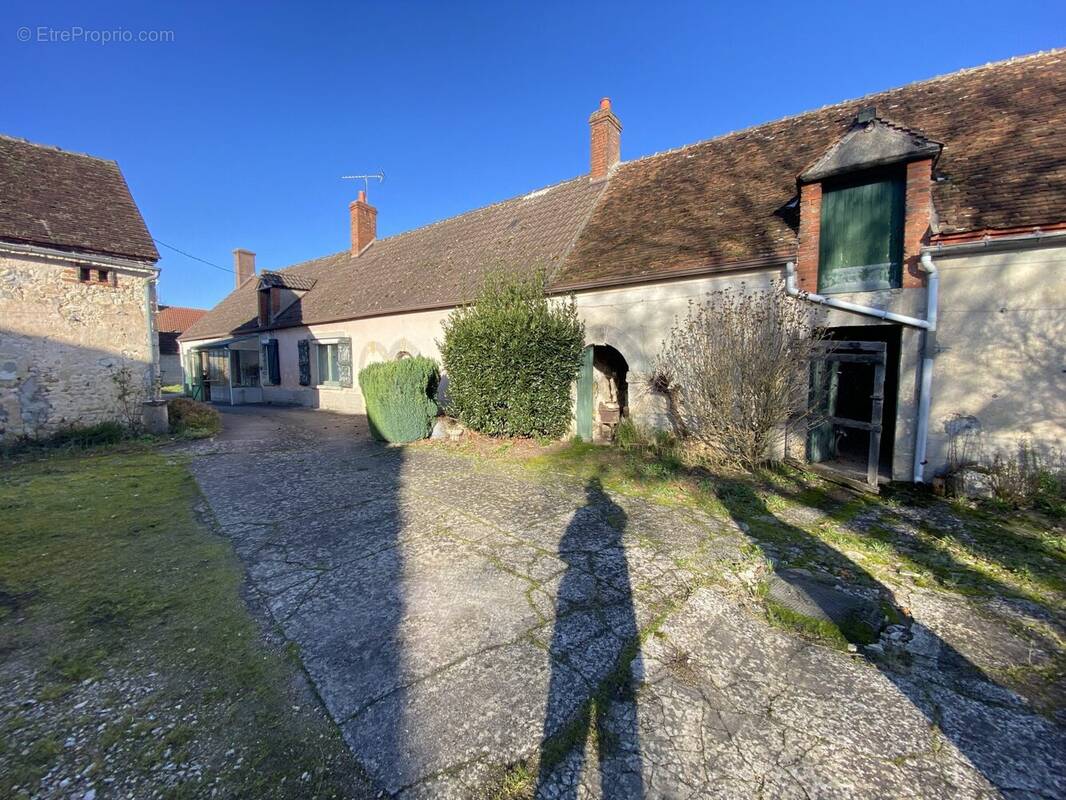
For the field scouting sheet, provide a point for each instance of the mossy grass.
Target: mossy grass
(968, 550)
(110, 569)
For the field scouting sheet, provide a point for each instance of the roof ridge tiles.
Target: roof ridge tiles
(56, 148)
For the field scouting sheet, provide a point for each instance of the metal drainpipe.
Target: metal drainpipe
(928, 325)
(925, 391)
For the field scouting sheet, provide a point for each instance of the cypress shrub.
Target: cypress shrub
(511, 358)
(399, 398)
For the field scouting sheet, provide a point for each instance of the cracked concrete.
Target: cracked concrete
(457, 618)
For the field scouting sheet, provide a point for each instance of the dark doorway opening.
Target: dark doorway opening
(602, 393)
(846, 393)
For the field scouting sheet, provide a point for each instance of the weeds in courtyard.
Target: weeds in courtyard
(977, 549)
(190, 419)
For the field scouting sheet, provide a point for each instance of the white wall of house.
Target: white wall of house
(1000, 369)
(376, 339)
(637, 320)
(1001, 366)
(61, 341)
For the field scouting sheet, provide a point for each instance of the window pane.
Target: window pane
(323, 364)
(328, 371)
(334, 376)
(860, 243)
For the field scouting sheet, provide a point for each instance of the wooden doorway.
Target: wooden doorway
(602, 393)
(847, 397)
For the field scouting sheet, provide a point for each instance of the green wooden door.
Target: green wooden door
(821, 442)
(861, 239)
(584, 396)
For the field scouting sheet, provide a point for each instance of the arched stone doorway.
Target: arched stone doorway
(602, 393)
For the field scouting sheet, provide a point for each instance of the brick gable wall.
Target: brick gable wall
(918, 213)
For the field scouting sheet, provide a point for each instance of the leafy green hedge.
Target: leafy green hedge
(399, 398)
(511, 358)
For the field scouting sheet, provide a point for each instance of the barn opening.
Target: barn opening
(854, 390)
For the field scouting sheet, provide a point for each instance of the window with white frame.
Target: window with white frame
(328, 364)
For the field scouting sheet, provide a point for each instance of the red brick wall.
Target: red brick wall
(606, 136)
(243, 265)
(916, 227)
(919, 214)
(809, 228)
(364, 219)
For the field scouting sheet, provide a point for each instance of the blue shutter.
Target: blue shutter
(304, 351)
(273, 362)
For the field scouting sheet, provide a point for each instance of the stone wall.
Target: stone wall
(61, 339)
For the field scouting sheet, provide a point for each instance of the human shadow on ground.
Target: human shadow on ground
(595, 643)
(1010, 745)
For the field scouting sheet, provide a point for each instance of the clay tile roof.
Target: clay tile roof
(728, 201)
(725, 201)
(440, 265)
(175, 319)
(68, 201)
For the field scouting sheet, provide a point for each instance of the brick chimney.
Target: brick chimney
(243, 265)
(364, 223)
(606, 137)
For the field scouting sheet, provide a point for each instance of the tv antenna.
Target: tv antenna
(378, 176)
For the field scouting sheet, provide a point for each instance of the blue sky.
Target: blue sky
(236, 132)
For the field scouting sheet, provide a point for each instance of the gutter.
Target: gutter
(989, 244)
(927, 325)
(66, 256)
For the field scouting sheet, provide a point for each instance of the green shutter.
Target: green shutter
(861, 238)
(821, 441)
(584, 396)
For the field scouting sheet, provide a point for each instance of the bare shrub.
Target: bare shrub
(1025, 477)
(736, 372)
(131, 392)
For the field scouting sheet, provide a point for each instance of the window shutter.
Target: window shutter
(860, 241)
(344, 363)
(273, 362)
(304, 349)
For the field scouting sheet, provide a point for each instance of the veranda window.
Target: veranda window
(245, 368)
(861, 237)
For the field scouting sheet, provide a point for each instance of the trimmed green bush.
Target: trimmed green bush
(399, 398)
(511, 358)
(193, 419)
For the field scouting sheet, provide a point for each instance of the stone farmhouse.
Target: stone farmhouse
(77, 292)
(925, 224)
